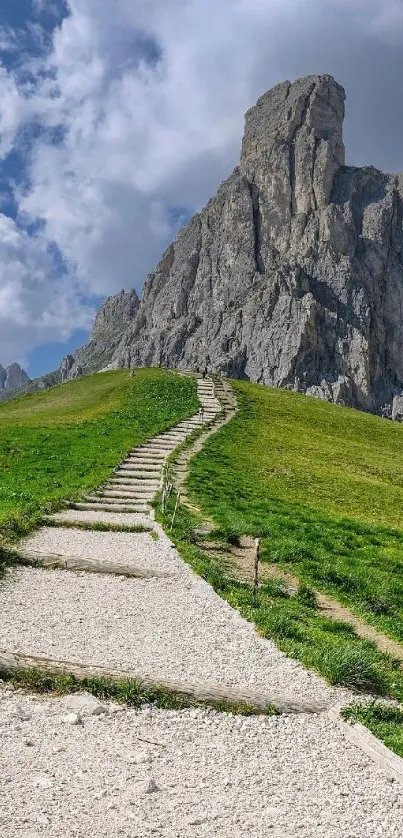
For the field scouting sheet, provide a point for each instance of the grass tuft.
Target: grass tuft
(383, 720)
(98, 526)
(125, 691)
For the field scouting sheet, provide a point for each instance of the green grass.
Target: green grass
(322, 486)
(384, 721)
(330, 647)
(65, 441)
(126, 691)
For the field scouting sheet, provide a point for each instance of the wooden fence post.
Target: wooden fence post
(256, 573)
(176, 507)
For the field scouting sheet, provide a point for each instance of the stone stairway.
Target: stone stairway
(137, 479)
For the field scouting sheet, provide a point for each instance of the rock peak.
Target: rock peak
(12, 378)
(291, 151)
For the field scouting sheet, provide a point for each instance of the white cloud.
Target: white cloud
(33, 309)
(11, 111)
(147, 97)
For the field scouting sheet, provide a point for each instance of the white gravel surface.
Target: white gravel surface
(135, 549)
(174, 628)
(76, 767)
(128, 519)
(198, 774)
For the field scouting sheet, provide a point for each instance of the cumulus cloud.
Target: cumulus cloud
(33, 309)
(133, 111)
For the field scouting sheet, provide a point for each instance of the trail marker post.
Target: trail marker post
(256, 559)
(176, 507)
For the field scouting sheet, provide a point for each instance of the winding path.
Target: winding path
(202, 773)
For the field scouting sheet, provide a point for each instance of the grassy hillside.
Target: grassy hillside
(61, 442)
(322, 485)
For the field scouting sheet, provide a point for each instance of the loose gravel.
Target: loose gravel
(132, 549)
(188, 774)
(168, 628)
(128, 519)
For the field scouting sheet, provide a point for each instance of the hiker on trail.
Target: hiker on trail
(201, 414)
(204, 372)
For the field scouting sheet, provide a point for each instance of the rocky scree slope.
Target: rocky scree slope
(292, 275)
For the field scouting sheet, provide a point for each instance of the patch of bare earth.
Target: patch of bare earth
(240, 559)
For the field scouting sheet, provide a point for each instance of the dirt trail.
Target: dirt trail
(240, 560)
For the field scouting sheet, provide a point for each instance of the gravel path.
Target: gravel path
(213, 775)
(174, 628)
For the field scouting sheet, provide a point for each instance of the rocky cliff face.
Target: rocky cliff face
(12, 379)
(112, 320)
(292, 275)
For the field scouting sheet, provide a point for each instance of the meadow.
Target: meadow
(322, 486)
(62, 442)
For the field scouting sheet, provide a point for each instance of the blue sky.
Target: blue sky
(119, 118)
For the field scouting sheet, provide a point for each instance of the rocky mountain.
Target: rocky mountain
(292, 275)
(113, 319)
(12, 378)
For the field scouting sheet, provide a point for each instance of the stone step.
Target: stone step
(125, 474)
(149, 458)
(133, 485)
(110, 507)
(143, 465)
(136, 496)
(165, 451)
(156, 448)
(158, 443)
(136, 465)
(138, 472)
(123, 497)
(174, 437)
(110, 499)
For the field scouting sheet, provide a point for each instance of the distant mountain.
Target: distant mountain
(111, 323)
(12, 379)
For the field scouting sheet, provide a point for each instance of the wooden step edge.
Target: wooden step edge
(211, 693)
(104, 507)
(102, 498)
(90, 565)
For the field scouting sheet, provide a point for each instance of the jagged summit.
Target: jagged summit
(12, 378)
(113, 318)
(292, 275)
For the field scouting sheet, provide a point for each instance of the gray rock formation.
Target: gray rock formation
(112, 320)
(292, 275)
(12, 379)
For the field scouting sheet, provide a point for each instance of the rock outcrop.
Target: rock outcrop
(12, 378)
(112, 320)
